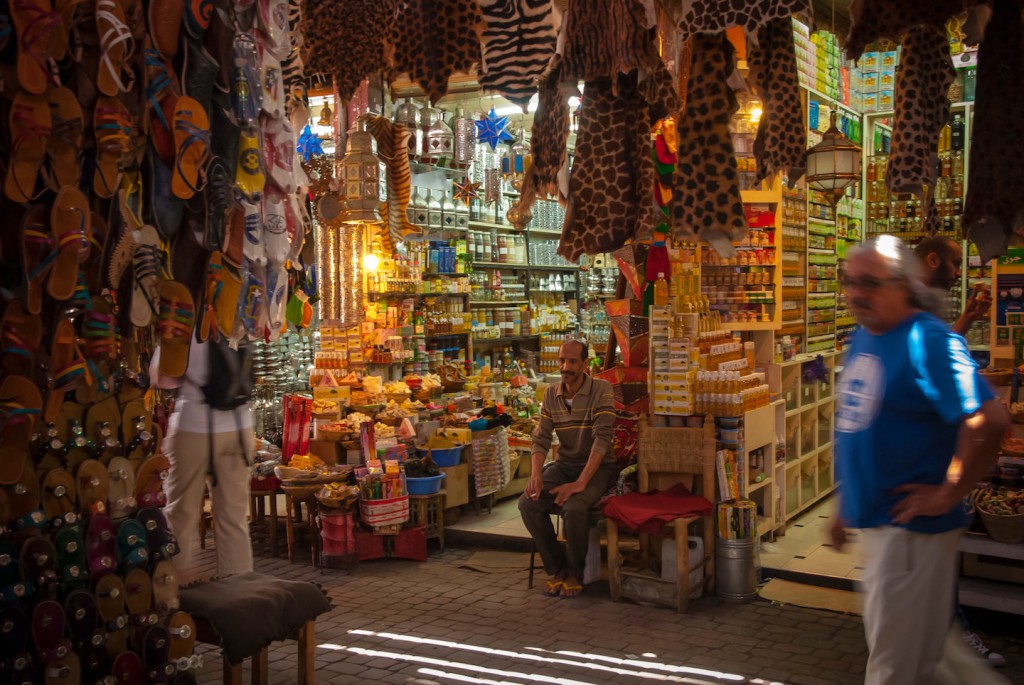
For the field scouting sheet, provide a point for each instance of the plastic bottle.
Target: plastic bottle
(956, 138)
(661, 290)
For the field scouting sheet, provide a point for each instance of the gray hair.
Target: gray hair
(904, 265)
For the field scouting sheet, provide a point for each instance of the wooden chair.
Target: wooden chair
(667, 456)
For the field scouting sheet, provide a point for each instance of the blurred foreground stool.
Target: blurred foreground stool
(245, 613)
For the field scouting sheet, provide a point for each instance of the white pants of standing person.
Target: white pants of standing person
(908, 611)
(185, 486)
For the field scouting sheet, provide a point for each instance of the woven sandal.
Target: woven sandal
(20, 335)
(162, 93)
(35, 22)
(192, 145)
(99, 333)
(175, 327)
(114, 143)
(70, 222)
(65, 137)
(20, 403)
(31, 124)
(68, 367)
(116, 48)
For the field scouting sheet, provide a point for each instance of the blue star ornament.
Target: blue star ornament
(493, 130)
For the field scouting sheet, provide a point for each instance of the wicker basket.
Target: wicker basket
(1008, 529)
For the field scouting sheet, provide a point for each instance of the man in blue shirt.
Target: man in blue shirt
(909, 399)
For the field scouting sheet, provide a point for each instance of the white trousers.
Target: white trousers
(187, 482)
(909, 579)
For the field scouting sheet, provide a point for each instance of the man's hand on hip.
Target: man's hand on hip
(564, 491)
(922, 500)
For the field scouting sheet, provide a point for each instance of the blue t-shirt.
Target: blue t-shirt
(902, 396)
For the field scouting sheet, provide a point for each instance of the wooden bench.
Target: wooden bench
(259, 662)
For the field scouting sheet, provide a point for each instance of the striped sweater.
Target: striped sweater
(583, 428)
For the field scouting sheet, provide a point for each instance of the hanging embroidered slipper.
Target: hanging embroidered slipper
(66, 134)
(165, 588)
(249, 175)
(37, 254)
(175, 327)
(192, 146)
(67, 366)
(279, 154)
(146, 258)
(113, 127)
(110, 603)
(182, 631)
(162, 544)
(127, 669)
(59, 499)
(277, 302)
(122, 488)
(48, 625)
(72, 559)
(138, 589)
(83, 620)
(165, 25)
(93, 487)
(20, 403)
(149, 482)
(116, 48)
(34, 23)
(70, 222)
(31, 125)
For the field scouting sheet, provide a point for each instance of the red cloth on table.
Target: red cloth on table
(648, 512)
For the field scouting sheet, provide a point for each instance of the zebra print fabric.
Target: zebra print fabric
(393, 149)
(519, 42)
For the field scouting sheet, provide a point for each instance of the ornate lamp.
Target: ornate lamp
(360, 178)
(833, 165)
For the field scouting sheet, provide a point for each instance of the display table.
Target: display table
(989, 593)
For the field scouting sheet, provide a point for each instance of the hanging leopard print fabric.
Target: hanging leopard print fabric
(921, 110)
(347, 39)
(433, 39)
(872, 20)
(393, 149)
(994, 207)
(715, 16)
(519, 42)
(706, 192)
(781, 142)
(611, 186)
(548, 146)
(603, 38)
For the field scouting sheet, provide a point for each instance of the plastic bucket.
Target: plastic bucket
(424, 486)
(443, 457)
(735, 570)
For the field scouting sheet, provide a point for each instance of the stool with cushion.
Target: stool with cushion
(247, 612)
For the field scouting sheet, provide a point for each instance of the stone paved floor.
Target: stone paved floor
(422, 623)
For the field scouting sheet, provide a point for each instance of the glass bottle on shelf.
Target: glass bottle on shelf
(956, 138)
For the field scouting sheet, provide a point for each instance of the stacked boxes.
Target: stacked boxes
(876, 79)
(671, 364)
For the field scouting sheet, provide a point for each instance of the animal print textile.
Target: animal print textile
(715, 16)
(606, 37)
(347, 39)
(872, 20)
(781, 142)
(393, 150)
(548, 145)
(433, 39)
(995, 184)
(519, 42)
(612, 178)
(706, 191)
(922, 109)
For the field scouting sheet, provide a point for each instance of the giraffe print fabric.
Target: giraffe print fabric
(872, 20)
(603, 38)
(548, 146)
(715, 16)
(347, 39)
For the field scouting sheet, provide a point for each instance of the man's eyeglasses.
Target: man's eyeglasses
(866, 283)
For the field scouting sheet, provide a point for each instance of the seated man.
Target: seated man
(580, 409)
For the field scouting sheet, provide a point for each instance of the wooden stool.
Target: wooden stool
(265, 516)
(428, 511)
(295, 519)
(290, 609)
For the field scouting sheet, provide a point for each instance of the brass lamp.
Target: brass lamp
(833, 165)
(360, 178)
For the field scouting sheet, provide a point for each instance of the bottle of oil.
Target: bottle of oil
(661, 290)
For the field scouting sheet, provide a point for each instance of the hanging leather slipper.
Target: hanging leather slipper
(113, 127)
(162, 544)
(101, 547)
(103, 426)
(37, 255)
(31, 125)
(20, 335)
(67, 366)
(66, 135)
(72, 560)
(67, 670)
(122, 488)
(175, 328)
(99, 333)
(225, 304)
(127, 669)
(70, 223)
(93, 487)
(83, 618)
(20, 403)
(162, 93)
(138, 589)
(137, 430)
(165, 25)
(34, 22)
(149, 482)
(146, 270)
(14, 645)
(156, 644)
(182, 631)
(59, 499)
(116, 48)
(192, 146)
(249, 175)
(13, 586)
(165, 588)
(27, 514)
(48, 624)
(39, 565)
(132, 550)
(110, 602)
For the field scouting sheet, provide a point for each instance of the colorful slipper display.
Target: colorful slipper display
(31, 126)
(192, 146)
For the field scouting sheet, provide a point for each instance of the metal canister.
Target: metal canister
(465, 139)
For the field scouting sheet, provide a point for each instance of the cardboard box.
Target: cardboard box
(885, 100)
(887, 79)
(328, 450)
(868, 82)
(456, 485)
(869, 61)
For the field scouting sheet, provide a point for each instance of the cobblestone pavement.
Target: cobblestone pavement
(434, 622)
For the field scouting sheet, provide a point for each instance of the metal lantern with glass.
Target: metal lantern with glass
(360, 173)
(833, 165)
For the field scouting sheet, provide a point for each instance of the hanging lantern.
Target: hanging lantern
(360, 174)
(465, 139)
(833, 165)
(440, 143)
(407, 115)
